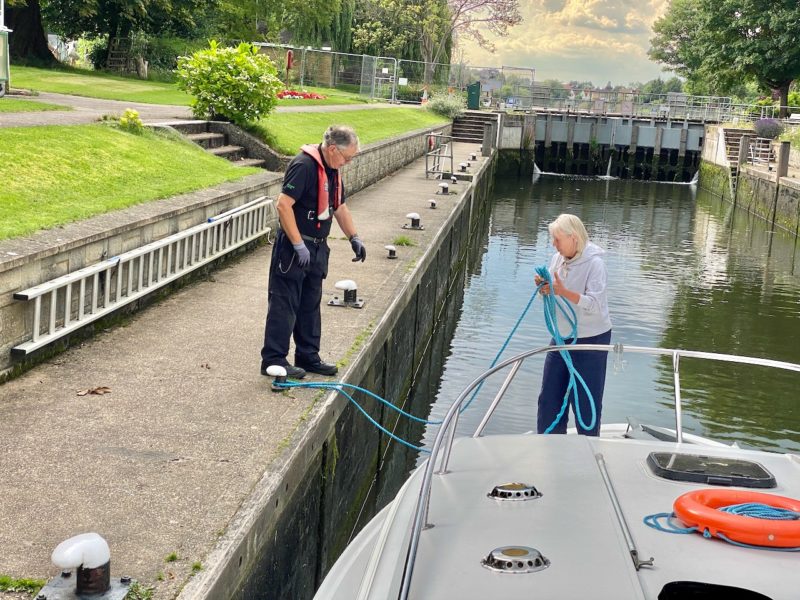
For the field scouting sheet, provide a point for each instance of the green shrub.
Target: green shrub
(94, 49)
(447, 105)
(760, 104)
(237, 84)
(768, 128)
(162, 53)
(409, 93)
(130, 121)
(792, 135)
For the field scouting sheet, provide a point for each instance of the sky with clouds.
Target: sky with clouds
(596, 40)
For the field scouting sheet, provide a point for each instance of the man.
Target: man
(312, 191)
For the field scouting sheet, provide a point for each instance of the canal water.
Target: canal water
(686, 270)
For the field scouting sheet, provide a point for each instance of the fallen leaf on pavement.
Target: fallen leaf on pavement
(98, 391)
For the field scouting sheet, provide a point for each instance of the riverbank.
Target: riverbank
(177, 464)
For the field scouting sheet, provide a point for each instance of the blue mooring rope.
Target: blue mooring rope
(754, 510)
(339, 385)
(552, 304)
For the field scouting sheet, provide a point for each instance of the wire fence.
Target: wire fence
(502, 88)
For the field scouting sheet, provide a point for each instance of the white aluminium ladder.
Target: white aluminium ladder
(67, 303)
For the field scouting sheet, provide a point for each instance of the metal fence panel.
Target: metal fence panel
(4, 56)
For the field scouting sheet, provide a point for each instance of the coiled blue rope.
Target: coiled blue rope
(755, 510)
(553, 304)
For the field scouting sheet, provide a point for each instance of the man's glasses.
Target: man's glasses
(346, 159)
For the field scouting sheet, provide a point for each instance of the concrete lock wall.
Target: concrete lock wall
(30, 261)
(758, 191)
(344, 470)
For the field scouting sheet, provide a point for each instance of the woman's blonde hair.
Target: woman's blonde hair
(570, 225)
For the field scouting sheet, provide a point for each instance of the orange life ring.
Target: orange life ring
(699, 509)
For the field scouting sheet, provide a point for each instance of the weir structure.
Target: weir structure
(624, 147)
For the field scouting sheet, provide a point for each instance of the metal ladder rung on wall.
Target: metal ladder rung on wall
(67, 303)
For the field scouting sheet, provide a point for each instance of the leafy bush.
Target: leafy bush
(447, 105)
(760, 104)
(792, 135)
(237, 84)
(409, 93)
(130, 121)
(94, 50)
(768, 128)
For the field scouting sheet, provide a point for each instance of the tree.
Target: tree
(120, 18)
(27, 40)
(432, 25)
(724, 42)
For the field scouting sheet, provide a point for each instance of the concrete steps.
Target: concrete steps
(208, 140)
(217, 143)
(470, 126)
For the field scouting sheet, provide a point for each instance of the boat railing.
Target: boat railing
(443, 442)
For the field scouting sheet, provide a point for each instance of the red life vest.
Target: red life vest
(323, 204)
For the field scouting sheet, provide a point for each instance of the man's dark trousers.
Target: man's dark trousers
(294, 303)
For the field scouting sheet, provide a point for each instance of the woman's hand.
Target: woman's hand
(537, 279)
(558, 285)
(559, 289)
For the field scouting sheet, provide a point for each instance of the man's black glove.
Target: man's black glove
(358, 247)
(303, 255)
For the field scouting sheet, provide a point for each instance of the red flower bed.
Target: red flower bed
(295, 95)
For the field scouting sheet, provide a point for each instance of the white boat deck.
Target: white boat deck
(587, 524)
(574, 525)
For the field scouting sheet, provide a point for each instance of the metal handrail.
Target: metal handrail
(423, 501)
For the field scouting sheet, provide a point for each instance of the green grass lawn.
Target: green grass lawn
(54, 175)
(12, 105)
(286, 132)
(96, 84)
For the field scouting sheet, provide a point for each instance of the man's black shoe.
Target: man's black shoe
(292, 372)
(319, 367)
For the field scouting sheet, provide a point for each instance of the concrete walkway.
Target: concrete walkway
(171, 457)
(89, 110)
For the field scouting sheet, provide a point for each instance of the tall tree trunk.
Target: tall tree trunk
(28, 40)
(783, 88)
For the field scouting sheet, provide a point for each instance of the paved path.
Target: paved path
(89, 110)
(163, 463)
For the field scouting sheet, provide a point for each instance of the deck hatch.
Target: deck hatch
(710, 470)
(515, 492)
(515, 559)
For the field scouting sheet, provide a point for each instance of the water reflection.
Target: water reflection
(685, 270)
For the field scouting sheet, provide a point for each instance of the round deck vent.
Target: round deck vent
(515, 559)
(514, 491)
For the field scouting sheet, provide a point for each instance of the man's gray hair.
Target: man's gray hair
(341, 136)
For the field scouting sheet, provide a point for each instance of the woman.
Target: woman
(578, 275)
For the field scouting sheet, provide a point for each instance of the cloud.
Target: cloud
(570, 39)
